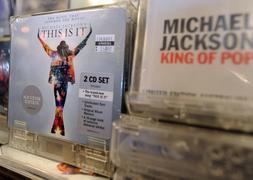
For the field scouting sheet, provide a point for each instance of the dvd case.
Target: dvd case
(156, 149)
(67, 81)
(193, 63)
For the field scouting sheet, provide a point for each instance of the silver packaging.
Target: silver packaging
(75, 96)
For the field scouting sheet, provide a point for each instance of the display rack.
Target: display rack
(35, 167)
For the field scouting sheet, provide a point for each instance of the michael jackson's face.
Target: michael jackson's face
(63, 49)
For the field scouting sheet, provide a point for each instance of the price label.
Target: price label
(105, 43)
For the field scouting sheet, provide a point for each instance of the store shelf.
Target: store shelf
(35, 167)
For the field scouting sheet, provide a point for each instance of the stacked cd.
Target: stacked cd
(158, 150)
(190, 101)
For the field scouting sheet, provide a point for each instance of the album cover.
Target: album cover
(195, 50)
(67, 72)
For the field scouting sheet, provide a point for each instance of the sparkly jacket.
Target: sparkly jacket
(62, 68)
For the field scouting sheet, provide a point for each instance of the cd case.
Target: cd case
(193, 63)
(144, 146)
(67, 80)
(67, 72)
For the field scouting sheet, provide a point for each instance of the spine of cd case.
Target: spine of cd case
(152, 148)
(223, 114)
(89, 159)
